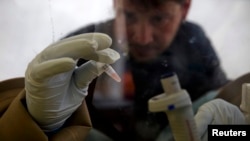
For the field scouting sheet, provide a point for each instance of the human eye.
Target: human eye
(130, 17)
(160, 19)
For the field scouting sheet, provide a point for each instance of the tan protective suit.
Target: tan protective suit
(16, 124)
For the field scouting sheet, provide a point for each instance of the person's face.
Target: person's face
(149, 31)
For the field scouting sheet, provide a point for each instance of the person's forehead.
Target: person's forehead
(138, 5)
(147, 3)
(161, 5)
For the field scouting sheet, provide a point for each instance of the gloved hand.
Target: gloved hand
(217, 111)
(55, 87)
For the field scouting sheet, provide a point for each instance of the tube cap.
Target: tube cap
(170, 83)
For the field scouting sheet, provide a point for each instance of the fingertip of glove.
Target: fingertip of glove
(103, 40)
(108, 56)
(115, 57)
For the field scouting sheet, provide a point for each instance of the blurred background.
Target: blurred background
(28, 26)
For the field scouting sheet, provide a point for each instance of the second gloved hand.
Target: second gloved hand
(217, 111)
(55, 87)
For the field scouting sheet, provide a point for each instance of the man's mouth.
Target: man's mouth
(144, 51)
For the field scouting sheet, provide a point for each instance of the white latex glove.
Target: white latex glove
(217, 111)
(55, 87)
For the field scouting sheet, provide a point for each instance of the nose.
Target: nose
(143, 33)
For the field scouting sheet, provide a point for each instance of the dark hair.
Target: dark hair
(153, 3)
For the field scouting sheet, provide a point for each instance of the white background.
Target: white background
(28, 26)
